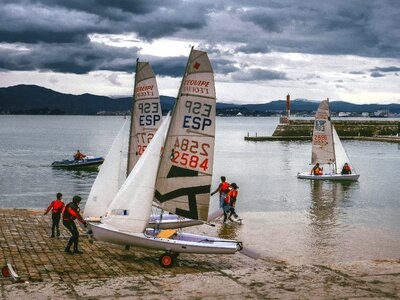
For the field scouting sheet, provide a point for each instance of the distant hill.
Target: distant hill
(32, 99)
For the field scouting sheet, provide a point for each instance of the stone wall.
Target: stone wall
(344, 128)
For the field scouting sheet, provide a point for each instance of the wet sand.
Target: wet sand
(106, 271)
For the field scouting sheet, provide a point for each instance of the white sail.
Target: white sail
(340, 153)
(108, 180)
(184, 178)
(145, 112)
(130, 209)
(322, 141)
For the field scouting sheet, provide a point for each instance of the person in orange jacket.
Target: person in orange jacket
(317, 170)
(233, 193)
(56, 207)
(79, 155)
(70, 213)
(223, 189)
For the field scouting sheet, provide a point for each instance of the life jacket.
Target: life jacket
(224, 187)
(232, 195)
(317, 171)
(57, 206)
(71, 212)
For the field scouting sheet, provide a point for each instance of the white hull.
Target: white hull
(181, 243)
(344, 177)
(172, 222)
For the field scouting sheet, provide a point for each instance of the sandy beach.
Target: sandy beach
(105, 271)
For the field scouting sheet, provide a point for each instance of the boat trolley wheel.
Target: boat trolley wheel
(167, 260)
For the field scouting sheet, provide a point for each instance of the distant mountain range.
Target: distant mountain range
(32, 99)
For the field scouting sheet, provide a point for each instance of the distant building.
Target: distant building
(344, 114)
(365, 114)
(381, 113)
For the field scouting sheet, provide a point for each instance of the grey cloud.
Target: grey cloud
(377, 74)
(386, 69)
(67, 58)
(258, 75)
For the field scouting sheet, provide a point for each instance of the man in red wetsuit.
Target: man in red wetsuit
(56, 207)
(70, 213)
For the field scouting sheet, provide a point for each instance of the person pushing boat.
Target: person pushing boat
(71, 212)
(223, 189)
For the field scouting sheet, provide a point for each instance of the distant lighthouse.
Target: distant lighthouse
(288, 107)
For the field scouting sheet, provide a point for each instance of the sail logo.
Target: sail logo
(198, 115)
(193, 86)
(144, 91)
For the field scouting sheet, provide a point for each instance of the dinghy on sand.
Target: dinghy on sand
(180, 183)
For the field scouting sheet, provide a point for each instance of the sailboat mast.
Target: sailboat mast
(132, 121)
(333, 140)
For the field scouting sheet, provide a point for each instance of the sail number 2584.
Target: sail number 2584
(190, 153)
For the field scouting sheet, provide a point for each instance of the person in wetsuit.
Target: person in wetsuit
(56, 207)
(70, 213)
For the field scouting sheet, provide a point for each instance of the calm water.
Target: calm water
(284, 217)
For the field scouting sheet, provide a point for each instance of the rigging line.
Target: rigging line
(199, 133)
(197, 95)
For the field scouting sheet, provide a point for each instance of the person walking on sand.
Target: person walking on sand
(70, 213)
(56, 207)
(222, 189)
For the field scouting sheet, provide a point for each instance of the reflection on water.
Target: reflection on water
(328, 200)
(229, 230)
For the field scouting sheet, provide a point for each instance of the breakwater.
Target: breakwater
(372, 130)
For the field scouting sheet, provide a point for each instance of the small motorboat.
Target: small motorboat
(88, 161)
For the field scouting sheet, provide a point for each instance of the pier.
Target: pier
(365, 130)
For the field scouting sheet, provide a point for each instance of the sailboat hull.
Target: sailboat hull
(172, 222)
(341, 177)
(180, 243)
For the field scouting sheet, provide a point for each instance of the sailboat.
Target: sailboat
(146, 118)
(327, 148)
(179, 182)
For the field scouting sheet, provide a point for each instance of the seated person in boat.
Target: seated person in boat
(346, 169)
(79, 156)
(317, 170)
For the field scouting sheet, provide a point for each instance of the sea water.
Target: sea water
(284, 217)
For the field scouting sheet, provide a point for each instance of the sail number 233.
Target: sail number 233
(190, 153)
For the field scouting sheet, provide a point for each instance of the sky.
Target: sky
(260, 50)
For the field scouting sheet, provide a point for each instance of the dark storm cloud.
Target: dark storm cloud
(259, 74)
(366, 28)
(358, 27)
(69, 58)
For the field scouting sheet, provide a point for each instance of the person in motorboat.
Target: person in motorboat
(223, 189)
(232, 194)
(317, 170)
(71, 212)
(346, 169)
(79, 155)
(56, 207)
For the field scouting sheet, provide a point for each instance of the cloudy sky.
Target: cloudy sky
(260, 50)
